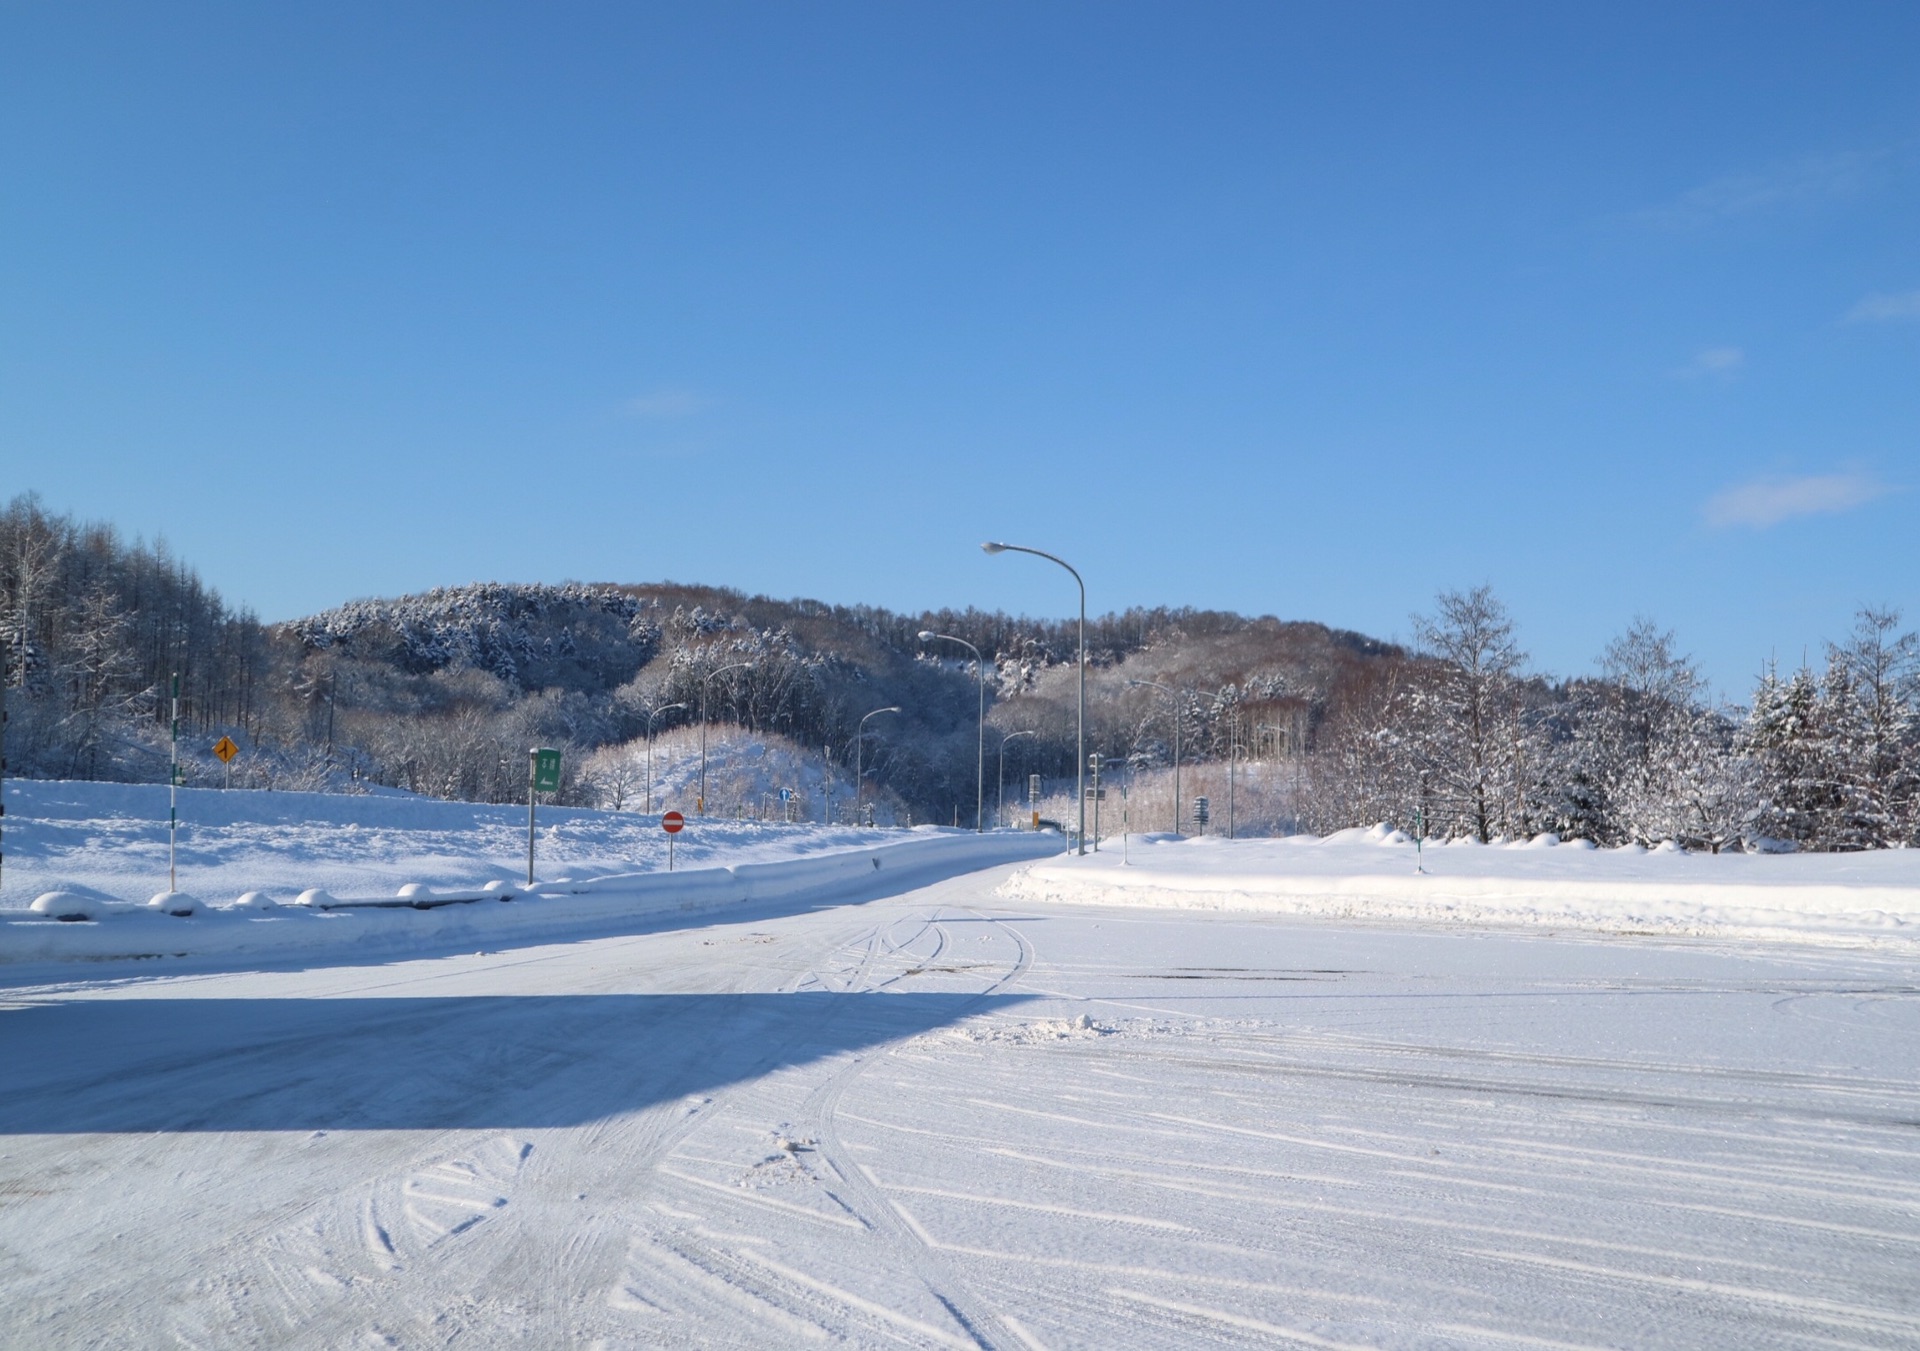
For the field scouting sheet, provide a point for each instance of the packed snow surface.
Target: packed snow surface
(940, 1115)
(1380, 875)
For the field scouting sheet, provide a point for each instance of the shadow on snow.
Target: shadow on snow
(520, 1062)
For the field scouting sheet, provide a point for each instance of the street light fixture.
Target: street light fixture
(980, 740)
(859, 757)
(664, 708)
(700, 803)
(1080, 738)
(1174, 695)
(1000, 784)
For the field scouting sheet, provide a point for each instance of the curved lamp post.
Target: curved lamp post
(1000, 785)
(980, 740)
(1080, 738)
(859, 757)
(700, 804)
(664, 708)
(1174, 695)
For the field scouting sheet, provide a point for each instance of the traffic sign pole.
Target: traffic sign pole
(673, 823)
(543, 776)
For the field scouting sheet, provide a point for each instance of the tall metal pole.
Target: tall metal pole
(533, 758)
(1080, 739)
(1000, 784)
(700, 803)
(173, 789)
(980, 743)
(859, 756)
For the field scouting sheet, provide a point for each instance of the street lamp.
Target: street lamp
(980, 740)
(1080, 739)
(700, 803)
(1173, 694)
(859, 757)
(664, 708)
(1000, 784)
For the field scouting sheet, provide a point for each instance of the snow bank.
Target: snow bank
(1370, 875)
(375, 875)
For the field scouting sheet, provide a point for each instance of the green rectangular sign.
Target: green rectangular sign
(546, 771)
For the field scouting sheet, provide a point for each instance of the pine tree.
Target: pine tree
(1783, 739)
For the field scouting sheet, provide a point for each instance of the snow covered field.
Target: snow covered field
(952, 1116)
(112, 838)
(285, 874)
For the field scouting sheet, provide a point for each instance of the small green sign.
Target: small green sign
(546, 771)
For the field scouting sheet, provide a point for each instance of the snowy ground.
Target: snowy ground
(1377, 876)
(112, 838)
(948, 1118)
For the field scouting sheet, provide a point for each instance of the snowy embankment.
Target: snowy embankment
(1371, 875)
(292, 873)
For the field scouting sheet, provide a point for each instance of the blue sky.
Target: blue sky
(1308, 311)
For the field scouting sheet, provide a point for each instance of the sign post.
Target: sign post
(673, 823)
(543, 776)
(1096, 793)
(1202, 809)
(226, 750)
(1033, 798)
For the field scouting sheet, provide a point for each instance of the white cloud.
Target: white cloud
(1769, 501)
(1721, 361)
(665, 403)
(1801, 182)
(1877, 308)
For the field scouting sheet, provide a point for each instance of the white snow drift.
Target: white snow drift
(1371, 875)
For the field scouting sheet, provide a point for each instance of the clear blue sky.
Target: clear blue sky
(1289, 309)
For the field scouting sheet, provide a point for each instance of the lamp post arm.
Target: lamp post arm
(980, 738)
(1080, 740)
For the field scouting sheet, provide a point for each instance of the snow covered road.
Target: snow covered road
(945, 1119)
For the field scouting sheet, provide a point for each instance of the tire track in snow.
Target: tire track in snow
(982, 1325)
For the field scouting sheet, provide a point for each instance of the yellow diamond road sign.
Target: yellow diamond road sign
(225, 749)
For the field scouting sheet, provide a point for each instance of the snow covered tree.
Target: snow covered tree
(1474, 753)
(1783, 739)
(1645, 745)
(1868, 710)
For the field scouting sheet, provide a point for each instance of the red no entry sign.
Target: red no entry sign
(673, 823)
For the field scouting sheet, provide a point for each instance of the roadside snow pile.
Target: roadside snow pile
(1370, 875)
(266, 873)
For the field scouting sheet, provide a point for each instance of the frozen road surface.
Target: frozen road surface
(937, 1120)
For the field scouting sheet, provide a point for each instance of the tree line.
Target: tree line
(442, 693)
(1458, 740)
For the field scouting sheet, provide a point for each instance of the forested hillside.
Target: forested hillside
(442, 693)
